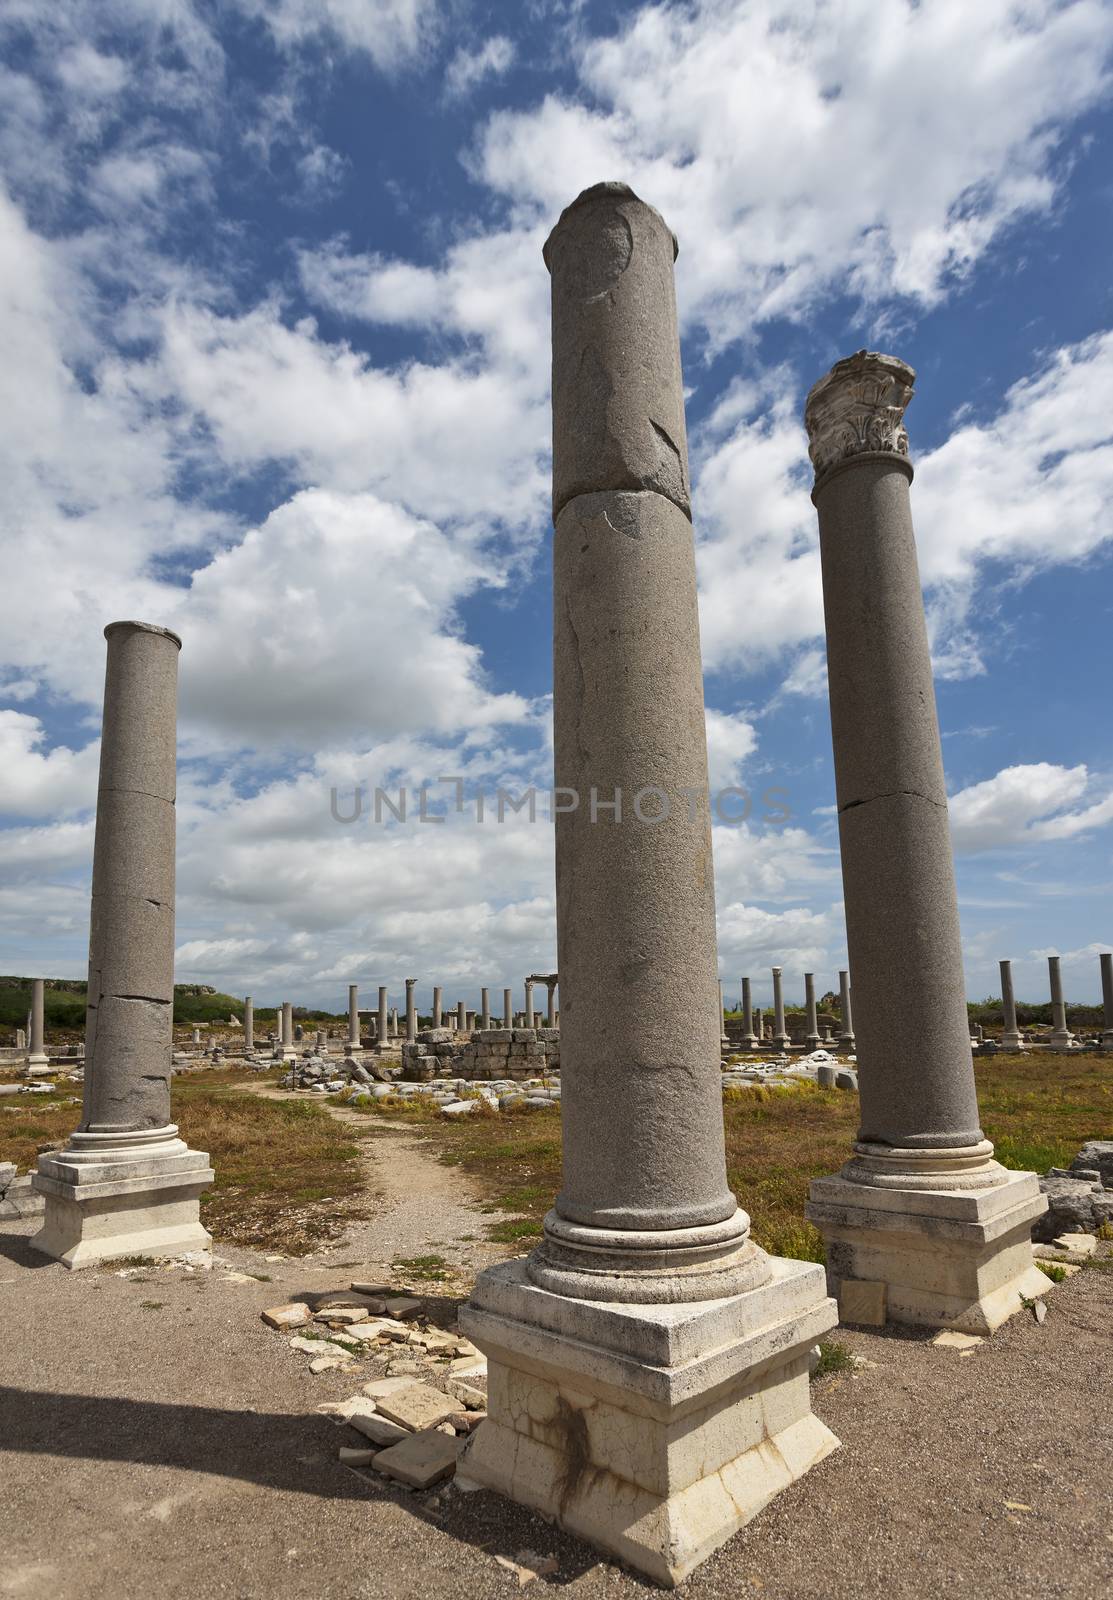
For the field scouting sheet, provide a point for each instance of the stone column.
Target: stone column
(288, 1051)
(635, 1421)
(723, 1038)
(353, 1017)
(461, 1018)
(507, 1009)
(394, 1031)
(438, 1000)
(125, 1184)
(759, 1025)
(1061, 1036)
(846, 1033)
(383, 1026)
(894, 1216)
(1106, 961)
(780, 1035)
(529, 1003)
(749, 1038)
(411, 1011)
(811, 1026)
(485, 1009)
(248, 1027)
(38, 1062)
(550, 1002)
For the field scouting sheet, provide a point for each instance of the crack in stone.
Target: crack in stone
(893, 794)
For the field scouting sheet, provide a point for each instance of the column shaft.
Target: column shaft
(846, 1035)
(811, 1029)
(747, 1013)
(780, 1037)
(248, 1027)
(384, 1019)
(485, 1009)
(1106, 962)
(1010, 1034)
(411, 1010)
(507, 1009)
(438, 1000)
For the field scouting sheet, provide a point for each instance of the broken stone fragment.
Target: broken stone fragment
(342, 1315)
(377, 1429)
(419, 1406)
(294, 1315)
(421, 1459)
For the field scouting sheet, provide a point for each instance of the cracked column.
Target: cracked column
(749, 1037)
(438, 1005)
(922, 1212)
(1061, 1036)
(248, 1027)
(846, 1032)
(411, 1011)
(811, 1026)
(382, 1027)
(780, 1035)
(38, 1062)
(647, 1364)
(1010, 1036)
(125, 1184)
(353, 1017)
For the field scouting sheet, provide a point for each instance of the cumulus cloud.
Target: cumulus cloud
(34, 782)
(468, 68)
(391, 33)
(1031, 804)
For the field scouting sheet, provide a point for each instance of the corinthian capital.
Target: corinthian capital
(858, 409)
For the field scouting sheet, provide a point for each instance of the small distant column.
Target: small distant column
(1061, 1037)
(38, 1063)
(288, 1051)
(469, 1021)
(846, 1032)
(811, 1027)
(485, 1009)
(529, 1002)
(248, 1027)
(382, 1027)
(723, 1039)
(438, 998)
(1106, 960)
(394, 1030)
(411, 1011)
(353, 1016)
(550, 1003)
(507, 1008)
(125, 1183)
(759, 1025)
(780, 1037)
(461, 1018)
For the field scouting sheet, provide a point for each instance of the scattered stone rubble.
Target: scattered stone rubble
(489, 1053)
(1079, 1197)
(413, 1420)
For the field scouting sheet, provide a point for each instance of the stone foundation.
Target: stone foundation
(653, 1431)
(489, 1053)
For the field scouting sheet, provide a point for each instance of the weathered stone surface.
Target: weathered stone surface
(1076, 1204)
(1096, 1155)
(294, 1315)
(420, 1460)
(377, 1428)
(401, 1306)
(419, 1406)
(862, 1302)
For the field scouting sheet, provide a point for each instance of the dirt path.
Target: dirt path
(420, 1207)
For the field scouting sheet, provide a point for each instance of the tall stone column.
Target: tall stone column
(461, 1017)
(759, 1025)
(38, 1062)
(1010, 1036)
(394, 1031)
(529, 1002)
(1106, 961)
(438, 1005)
(550, 1002)
(749, 1038)
(846, 1031)
(780, 1034)
(125, 1183)
(628, 1355)
(722, 1017)
(288, 1051)
(921, 1210)
(382, 1028)
(507, 1008)
(354, 1038)
(248, 1027)
(1061, 1036)
(411, 1011)
(811, 1026)
(484, 1009)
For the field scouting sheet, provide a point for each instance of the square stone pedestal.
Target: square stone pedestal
(112, 1195)
(655, 1432)
(37, 1067)
(948, 1258)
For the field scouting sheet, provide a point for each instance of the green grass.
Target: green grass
(429, 1269)
(1052, 1270)
(833, 1357)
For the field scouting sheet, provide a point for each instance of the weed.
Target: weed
(1052, 1270)
(434, 1269)
(834, 1356)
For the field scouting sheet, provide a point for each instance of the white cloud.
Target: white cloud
(730, 739)
(391, 32)
(34, 783)
(1024, 805)
(493, 59)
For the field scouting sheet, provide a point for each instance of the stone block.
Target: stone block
(417, 1407)
(295, 1315)
(378, 1429)
(862, 1303)
(422, 1459)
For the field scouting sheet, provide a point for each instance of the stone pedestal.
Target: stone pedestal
(125, 1184)
(921, 1209)
(38, 1062)
(647, 1364)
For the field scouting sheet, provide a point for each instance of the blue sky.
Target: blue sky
(275, 327)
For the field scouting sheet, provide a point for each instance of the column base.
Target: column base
(1012, 1041)
(652, 1431)
(1063, 1041)
(120, 1194)
(37, 1067)
(956, 1255)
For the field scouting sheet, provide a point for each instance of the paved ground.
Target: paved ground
(157, 1439)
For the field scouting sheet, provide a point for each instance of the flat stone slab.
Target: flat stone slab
(1076, 1244)
(402, 1306)
(951, 1339)
(417, 1407)
(294, 1315)
(863, 1302)
(422, 1459)
(378, 1429)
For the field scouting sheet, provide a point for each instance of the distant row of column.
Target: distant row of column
(753, 1034)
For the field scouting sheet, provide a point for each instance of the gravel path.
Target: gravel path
(157, 1439)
